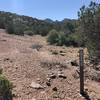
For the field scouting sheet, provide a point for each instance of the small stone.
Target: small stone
(52, 76)
(36, 85)
(62, 54)
(74, 63)
(86, 89)
(48, 83)
(62, 76)
(14, 95)
(42, 92)
(38, 79)
(48, 79)
(54, 89)
(6, 59)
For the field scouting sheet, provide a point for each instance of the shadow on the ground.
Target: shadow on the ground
(86, 96)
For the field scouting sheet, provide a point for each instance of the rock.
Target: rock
(42, 92)
(48, 79)
(6, 59)
(37, 46)
(36, 85)
(52, 76)
(38, 79)
(74, 63)
(62, 54)
(54, 89)
(62, 76)
(97, 67)
(14, 95)
(48, 83)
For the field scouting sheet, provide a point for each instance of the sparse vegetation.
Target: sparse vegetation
(48, 67)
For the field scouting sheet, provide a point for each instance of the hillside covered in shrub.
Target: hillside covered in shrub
(20, 24)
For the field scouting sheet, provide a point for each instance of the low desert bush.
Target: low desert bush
(60, 39)
(5, 88)
(57, 38)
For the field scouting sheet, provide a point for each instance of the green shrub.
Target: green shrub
(15, 27)
(10, 28)
(70, 41)
(76, 40)
(61, 40)
(57, 38)
(5, 88)
(52, 37)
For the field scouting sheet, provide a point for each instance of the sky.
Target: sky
(42, 9)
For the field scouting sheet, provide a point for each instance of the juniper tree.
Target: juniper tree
(89, 19)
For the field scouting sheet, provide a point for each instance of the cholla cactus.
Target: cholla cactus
(5, 89)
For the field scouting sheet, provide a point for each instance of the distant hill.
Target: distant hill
(49, 20)
(20, 24)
